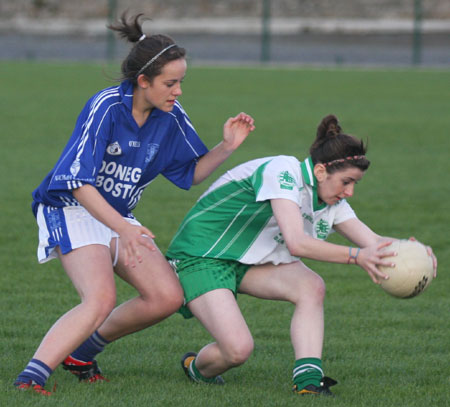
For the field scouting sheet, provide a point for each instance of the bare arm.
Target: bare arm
(130, 235)
(290, 221)
(235, 131)
(360, 234)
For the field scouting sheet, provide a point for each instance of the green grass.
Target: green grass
(383, 351)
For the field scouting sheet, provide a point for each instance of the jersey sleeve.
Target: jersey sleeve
(188, 148)
(83, 154)
(344, 212)
(279, 179)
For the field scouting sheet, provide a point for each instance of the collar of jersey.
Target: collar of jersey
(307, 167)
(126, 92)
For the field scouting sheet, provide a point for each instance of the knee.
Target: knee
(174, 302)
(318, 288)
(311, 290)
(239, 351)
(174, 298)
(168, 300)
(108, 302)
(102, 305)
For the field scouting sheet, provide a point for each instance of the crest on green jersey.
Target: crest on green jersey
(286, 180)
(322, 229)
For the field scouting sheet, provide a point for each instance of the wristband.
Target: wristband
(351, 257)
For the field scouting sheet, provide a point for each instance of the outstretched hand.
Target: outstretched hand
(236, 129)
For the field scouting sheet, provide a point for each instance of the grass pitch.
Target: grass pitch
(383, 351)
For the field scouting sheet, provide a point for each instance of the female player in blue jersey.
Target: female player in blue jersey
(248, 232)
(124, 137)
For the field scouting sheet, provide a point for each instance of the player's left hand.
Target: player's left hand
(372, 256)
(236, 129)
(431, 254)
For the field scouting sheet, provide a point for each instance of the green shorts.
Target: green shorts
(201, 275)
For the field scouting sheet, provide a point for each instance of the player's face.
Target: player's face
(165, 88)
(339, 185)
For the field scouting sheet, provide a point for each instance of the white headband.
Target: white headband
(153, 59)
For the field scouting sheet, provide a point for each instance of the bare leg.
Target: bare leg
(91, 272)
(302, 287)
(219, 313)
(160, 295)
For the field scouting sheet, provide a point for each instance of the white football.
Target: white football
(413, 271)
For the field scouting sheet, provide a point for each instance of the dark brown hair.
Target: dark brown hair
(337, 150)
(145, 48)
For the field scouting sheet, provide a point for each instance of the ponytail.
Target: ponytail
(150, 52)
(129, 30)
(337, 150)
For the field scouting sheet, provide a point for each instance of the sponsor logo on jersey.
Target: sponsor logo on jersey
(114, 149)
(322, 229)
(75, 167)
(286, 180)
(63, 177)
(117, 179)
(134, 143)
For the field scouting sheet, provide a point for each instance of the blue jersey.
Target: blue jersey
(110, 151)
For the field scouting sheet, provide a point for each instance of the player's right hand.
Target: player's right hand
(133, 238)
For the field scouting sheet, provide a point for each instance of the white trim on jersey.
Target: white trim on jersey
(69, 202)
(178, 104)
(186, 120)
(134, 198)
(236, 236)
(186, 117)
(98, 129)
(184, 135)
(90, 119)
(207, 209)
(310, 172)
(74, 184)
(102, 94)
(86, 125)
(224, 233)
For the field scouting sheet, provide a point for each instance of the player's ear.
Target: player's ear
(142, 81)
(320, 172)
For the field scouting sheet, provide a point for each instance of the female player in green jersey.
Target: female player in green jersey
(248, 232)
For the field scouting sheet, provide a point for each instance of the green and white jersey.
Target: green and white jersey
(233, 219)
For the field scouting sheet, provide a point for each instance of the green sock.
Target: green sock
(307, 371)
(197, 376)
